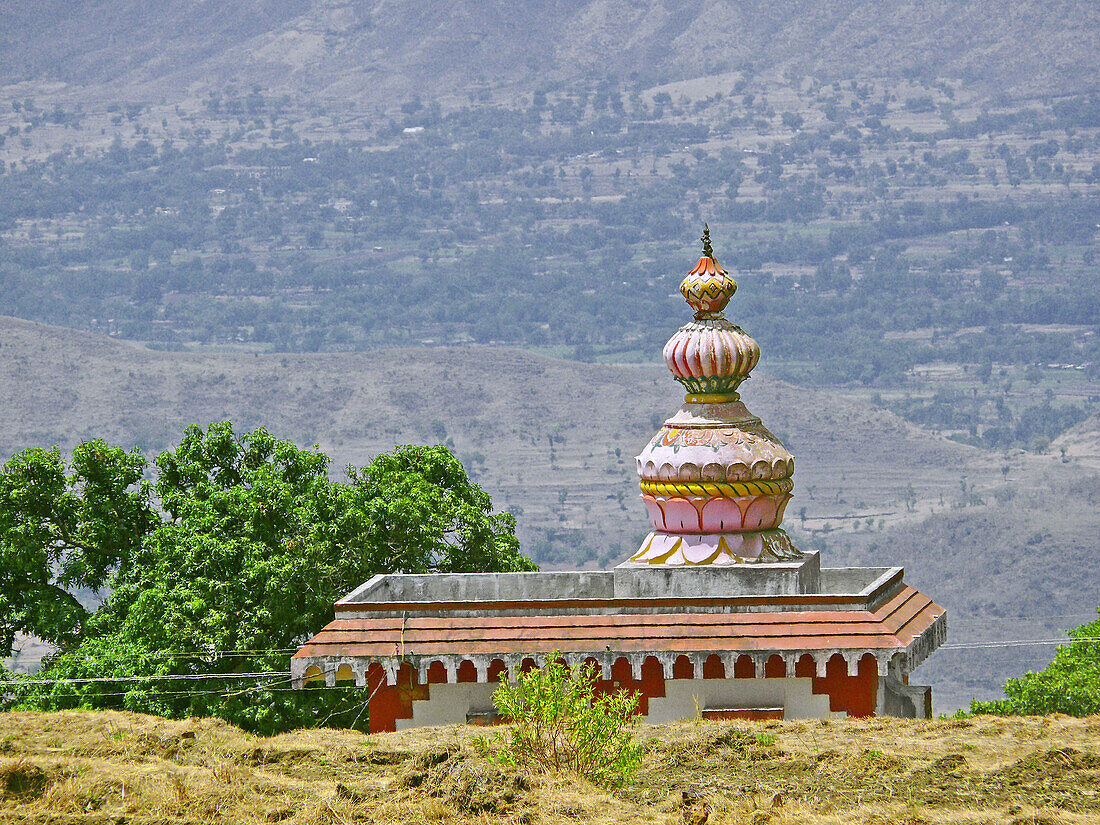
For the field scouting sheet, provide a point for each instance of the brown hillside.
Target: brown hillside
(501, 408)
(373, 51)
(111, 767)
(1017, 568)
(1081, 442)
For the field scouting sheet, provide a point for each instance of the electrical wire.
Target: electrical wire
(181, 654)
(1018, 643)
(164, 677)
(272, 687)
(267, 688)
(284, 676)
(993, 619)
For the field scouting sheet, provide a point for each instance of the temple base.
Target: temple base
(799, 690)
(739, 641)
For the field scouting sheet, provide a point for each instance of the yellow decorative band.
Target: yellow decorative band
(711, 397)
(716, 489)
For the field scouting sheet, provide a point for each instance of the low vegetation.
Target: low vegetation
(1070, 684)
(559, 723)
(105, 767)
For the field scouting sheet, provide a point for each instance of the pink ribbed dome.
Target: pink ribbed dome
(713, 349)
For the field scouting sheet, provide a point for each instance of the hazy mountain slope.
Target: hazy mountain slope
(1029, 555)
(1018, 569)
(374, 49)
(500, 407)
(103, 40)
(1081, 442)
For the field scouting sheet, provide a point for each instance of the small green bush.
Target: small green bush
(1070, 684)
(559, 724)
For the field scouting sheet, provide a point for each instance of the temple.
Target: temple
(716, 615)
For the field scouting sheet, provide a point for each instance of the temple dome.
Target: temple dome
(715, 442)
(711, 356)
(714, 479)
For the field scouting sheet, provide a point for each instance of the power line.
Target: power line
(286, 676)
(171, 654)
(967, 617)
(1018, 643)
(283, 678)
(165, 677)
(252, 689)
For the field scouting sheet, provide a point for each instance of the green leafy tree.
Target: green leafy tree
(222, 565)
(1070, 684)
(63, 530)
(416, 511)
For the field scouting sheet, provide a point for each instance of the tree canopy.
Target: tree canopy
(1070, 684)
(223, 563)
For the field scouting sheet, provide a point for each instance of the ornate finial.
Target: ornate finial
(715, 481)
(710, 356)
(708, 250)
(708, 287)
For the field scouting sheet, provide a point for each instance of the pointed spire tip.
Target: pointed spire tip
(708, 250)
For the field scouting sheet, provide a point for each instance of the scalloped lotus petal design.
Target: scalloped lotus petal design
(736, 548)
(697, 515)
(746, 452)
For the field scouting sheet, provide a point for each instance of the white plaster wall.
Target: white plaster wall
(686, 698)
(448, 704)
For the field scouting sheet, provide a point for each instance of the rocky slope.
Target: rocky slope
(374, 50)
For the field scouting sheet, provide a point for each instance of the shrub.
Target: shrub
(1070, 684)
(560, 724)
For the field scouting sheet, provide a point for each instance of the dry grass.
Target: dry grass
(127, 768)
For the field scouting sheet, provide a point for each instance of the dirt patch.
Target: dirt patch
(471, 785)
(946, 768)
(388, 757)
(1066, 777)
(278, 756)
(171, 746)
(23, 782)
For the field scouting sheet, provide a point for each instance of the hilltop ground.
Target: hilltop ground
(126, 768)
